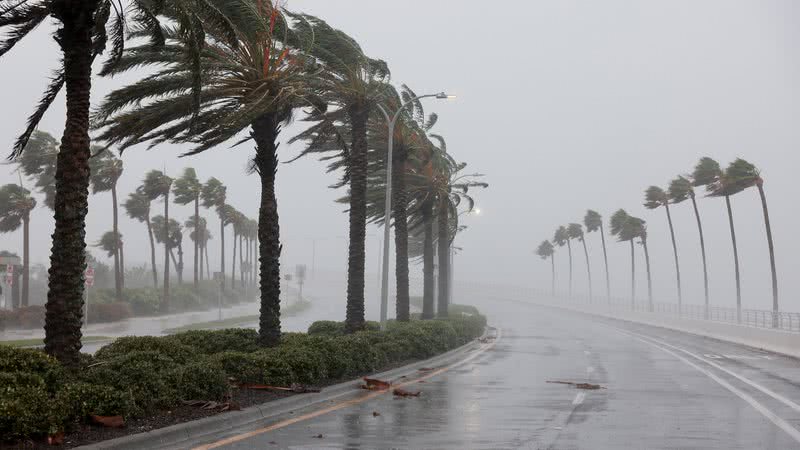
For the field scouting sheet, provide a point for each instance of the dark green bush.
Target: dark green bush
(143, 301)
(109, 312)
(241, 367)
(201, 380)
(215, 341)
(326, 327)
(306, 362)
(176, 351)
(31, 361)
(83, 399)
(275, 371)
(21, 379)
(27, 411)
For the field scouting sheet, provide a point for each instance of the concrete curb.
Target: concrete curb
(185, 434)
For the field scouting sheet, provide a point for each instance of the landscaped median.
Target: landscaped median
(151, 382)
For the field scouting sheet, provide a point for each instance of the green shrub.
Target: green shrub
(21, 379)
(22, 318)
(183, 298)
(359, 349)
(27, 411)
(176, 351)
(306, 362)
(275, 371)
(241, 367)
(109, 312)
(149, 377)
(202, 380)
(83, 399)
(215, 341)
(32, 361)
(143, 301)
(103, 296)
(326, 327)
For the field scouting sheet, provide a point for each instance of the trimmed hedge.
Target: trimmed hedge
(141, 375)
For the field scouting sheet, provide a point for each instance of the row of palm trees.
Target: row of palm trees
(232, 66)
(708, 174)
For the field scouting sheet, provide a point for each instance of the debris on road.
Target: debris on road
(375, 385)
(375, 414)
(212, 405)
(486, 340)
(319, 436)
(404, 393)
(587, 386)
(297, 388)
(426, 369)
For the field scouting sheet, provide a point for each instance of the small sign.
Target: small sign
(88, 276)
(10, 269)
(9, 280)
(90, 272)
(89, 282)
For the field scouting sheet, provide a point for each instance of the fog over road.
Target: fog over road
(661, 389)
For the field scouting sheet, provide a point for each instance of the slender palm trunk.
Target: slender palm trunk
(117, 271)
(197, 242)
(677, 263)
(152, 251)
(265, 133)
(165, 300)
(649, 280)
(122, 262)
(356, 258)
(174, 261)
(735, 261)
(427, 261)
(222, 249)
(400, 216)
(233, 260)
(633, 277)
(208, 266)
(64, 308)
(180, 263)
(201, 250)
(553, 270)
(702, 252)
(760, 185)
(605, 260)
(26, 263)
(588, 267)
(242, 280)
(569, 251)
(444, 260)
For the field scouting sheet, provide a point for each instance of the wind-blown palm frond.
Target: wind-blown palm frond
(593, 221)
(545, 250)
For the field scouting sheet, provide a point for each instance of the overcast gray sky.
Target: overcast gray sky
(565, 105)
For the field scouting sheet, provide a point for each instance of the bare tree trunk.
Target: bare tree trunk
(400, 216)
(703, 253)
(444, 260)
(633, 277)
(735, 261)
(122, 262)
(152, 251)
(208, 267)
(356, 258)
(775, 310)
(26, 255)
(165, 300)
(427, 261)
(569, 251)
(588, 267)
(605, 259)
(553, 269)
(649, 280)
(117, 271)
(197, 230)
(233, 260)
(677, 264)
(222, 250)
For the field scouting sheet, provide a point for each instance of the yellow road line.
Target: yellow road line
(346, 403)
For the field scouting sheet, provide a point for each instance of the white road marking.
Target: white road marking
(579, 398)
(774, 418)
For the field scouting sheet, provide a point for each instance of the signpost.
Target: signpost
(300, 272)
(88, 281)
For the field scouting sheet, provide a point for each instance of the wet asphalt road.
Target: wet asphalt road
(660, 391)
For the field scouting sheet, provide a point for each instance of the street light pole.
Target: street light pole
(391, 122)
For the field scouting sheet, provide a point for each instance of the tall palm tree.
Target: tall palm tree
(157, 184)
(106, 170)
(655, 197)
(350, 85)
(171, 235)
(547, 251)
(708, 173)
(619, 227)
(560, 238)
(16, 204)
(38, 162)
(138, 207)
(636, 228)
(741, 175)
(187, 189)
(575, 231)
(237, 220)
(594, 222)
(214, 194)
(198, 235)
(680, 189)
(111, 243)
(81, 35)
(251, 80)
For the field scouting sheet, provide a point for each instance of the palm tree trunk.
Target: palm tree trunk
(356, 258)
(633, 277)
(122, 262)
(400, 216)
(703, 253)
(117, 271)
(553, 270)
(265, 132)
(180, 263)
(152, 251)
(735, 261)
(201, 249)
(222, 250)
(444, 260)
(649, 280)
(233, 260)
(677, 264)
(26, 263)
(174, 261)
(427, 261)
(760, 185)
(197, 255)
(208, 267)
(605, 260)
(165, 300)
(64, 308)
(569, 251)
(242, 280)
(588, 267)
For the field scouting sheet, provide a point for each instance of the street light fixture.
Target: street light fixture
(391, 121)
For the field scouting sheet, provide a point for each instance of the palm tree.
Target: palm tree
(171, 235)
(138, 207)
(187, 189)
(350, 85)
(81, 36)
(708, 173)
(214, 194)
(560, 238)
(680, 189)
(251, 80)
(106, 169)
(236, 219)
(620, 228)
(111, 243)
(156, 184)
(199, 236)
(16, 204)
(739, 176)
(636, 228)
(575, 231)
(38, 162)
(655, 197)
(594, 222)
(545, 251)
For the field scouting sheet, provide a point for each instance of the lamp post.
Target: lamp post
(391, 121)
